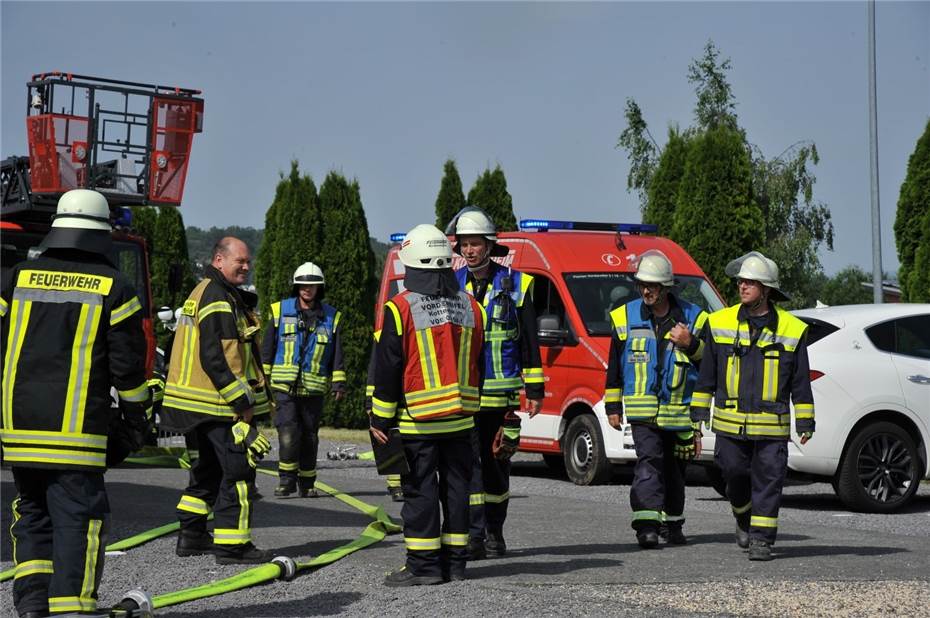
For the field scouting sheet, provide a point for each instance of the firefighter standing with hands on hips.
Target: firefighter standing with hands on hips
(215, 390)
(754, 363)
(301, 352)
(426, 382)
(511, 361)
(652, 368)
(71, 330)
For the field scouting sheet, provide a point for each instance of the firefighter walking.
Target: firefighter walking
(215, 389)
(654, 351)
(426, 382)
(510, 362)
(71, 330)
(302, 355)
(755, 364)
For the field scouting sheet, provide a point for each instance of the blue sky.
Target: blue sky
(385, 92)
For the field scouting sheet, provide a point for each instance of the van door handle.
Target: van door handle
(919, 379)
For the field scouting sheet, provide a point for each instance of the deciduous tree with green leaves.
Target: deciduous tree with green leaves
(490, 194)
(845, 288)
(451, 198)
(785, 221)
(348, 261)
(912, 224)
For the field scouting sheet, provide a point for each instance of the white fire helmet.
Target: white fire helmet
(426, 247)
(472, 221)
(308, 273)
(654, 267)
(756, 267)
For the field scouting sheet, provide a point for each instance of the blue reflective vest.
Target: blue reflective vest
(303, 353)
(650, 393)
(501, 355)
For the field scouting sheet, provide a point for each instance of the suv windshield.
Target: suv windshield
(597, 294)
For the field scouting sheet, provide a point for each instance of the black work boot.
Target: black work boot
(760, 550)
(39, 613)
(476, 550)
(308, 492)
(495, 545)
(742, 531)
(286, 486)
(674, 534)
(194, 544)
(397, 494)
(241, 554)
(403, 577)
(648, 537)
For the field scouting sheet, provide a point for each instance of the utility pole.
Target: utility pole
(877, 292)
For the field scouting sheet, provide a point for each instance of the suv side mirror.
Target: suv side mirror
(550, 331)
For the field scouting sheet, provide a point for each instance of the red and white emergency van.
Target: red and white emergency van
(582, 271)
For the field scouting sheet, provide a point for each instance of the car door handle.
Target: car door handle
(919, 379)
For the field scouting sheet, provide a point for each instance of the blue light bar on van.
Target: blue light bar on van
(544, 225)
(398, 237)
(122, 217)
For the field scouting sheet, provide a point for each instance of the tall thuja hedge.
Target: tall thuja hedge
(490, 194)
(912, 224)
(292, 237)
(715, 204)
(347, 261)
(663, 189)
(451, 198)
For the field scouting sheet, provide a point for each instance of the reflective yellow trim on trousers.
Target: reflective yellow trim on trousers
(17, 333)
(242, 489)
(193, 505)
(231, 536)
(287, 466)
(454, 539)
(307, 474)
(58, 605)
(33, 567)
(416, 544)
(15, 508)
(125, 310)
(496, 498)
(475, 499)
(758, 521)
(90, 558)
(81, 349)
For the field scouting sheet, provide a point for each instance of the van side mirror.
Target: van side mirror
(551, 332)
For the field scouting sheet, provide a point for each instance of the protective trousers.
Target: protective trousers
(490, 480)
(219, 479)
(298, 422)
(755, 474)
(438, 481)
(658, 490)
(59, 533)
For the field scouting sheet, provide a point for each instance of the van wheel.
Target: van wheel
(715, 478)
(555, 463)
(879, 472)
(583, 450)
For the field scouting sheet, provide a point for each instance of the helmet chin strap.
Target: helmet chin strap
(484, 263)
(761, 301)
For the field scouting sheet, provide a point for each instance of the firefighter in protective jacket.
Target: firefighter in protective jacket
(755, 364)
(511, 362)
(71, 330)
(654, 353)
(302, 356)
(215, 389)
(426, 382)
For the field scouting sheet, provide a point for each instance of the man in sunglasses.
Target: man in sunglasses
(651, 372)
(754, 364)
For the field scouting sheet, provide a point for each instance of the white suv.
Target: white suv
(870, 371)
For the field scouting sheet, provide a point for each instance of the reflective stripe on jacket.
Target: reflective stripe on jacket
(299, 352)
(71, 330)
(651, 393)
(752, 381)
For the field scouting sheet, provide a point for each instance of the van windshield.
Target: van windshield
(597, 294)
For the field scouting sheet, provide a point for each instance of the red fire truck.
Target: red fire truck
(582, 271)
(130, 141)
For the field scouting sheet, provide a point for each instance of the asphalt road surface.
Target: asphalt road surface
(571, 551)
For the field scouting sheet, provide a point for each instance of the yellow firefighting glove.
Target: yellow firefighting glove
(684, 445)
(256, 444)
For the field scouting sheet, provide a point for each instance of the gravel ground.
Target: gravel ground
(571, 552)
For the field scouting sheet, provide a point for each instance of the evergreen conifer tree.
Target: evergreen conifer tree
(663, 187)
(911, 225)
(172, 278)
(451, 198)
(490, 194)
(348, 261)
